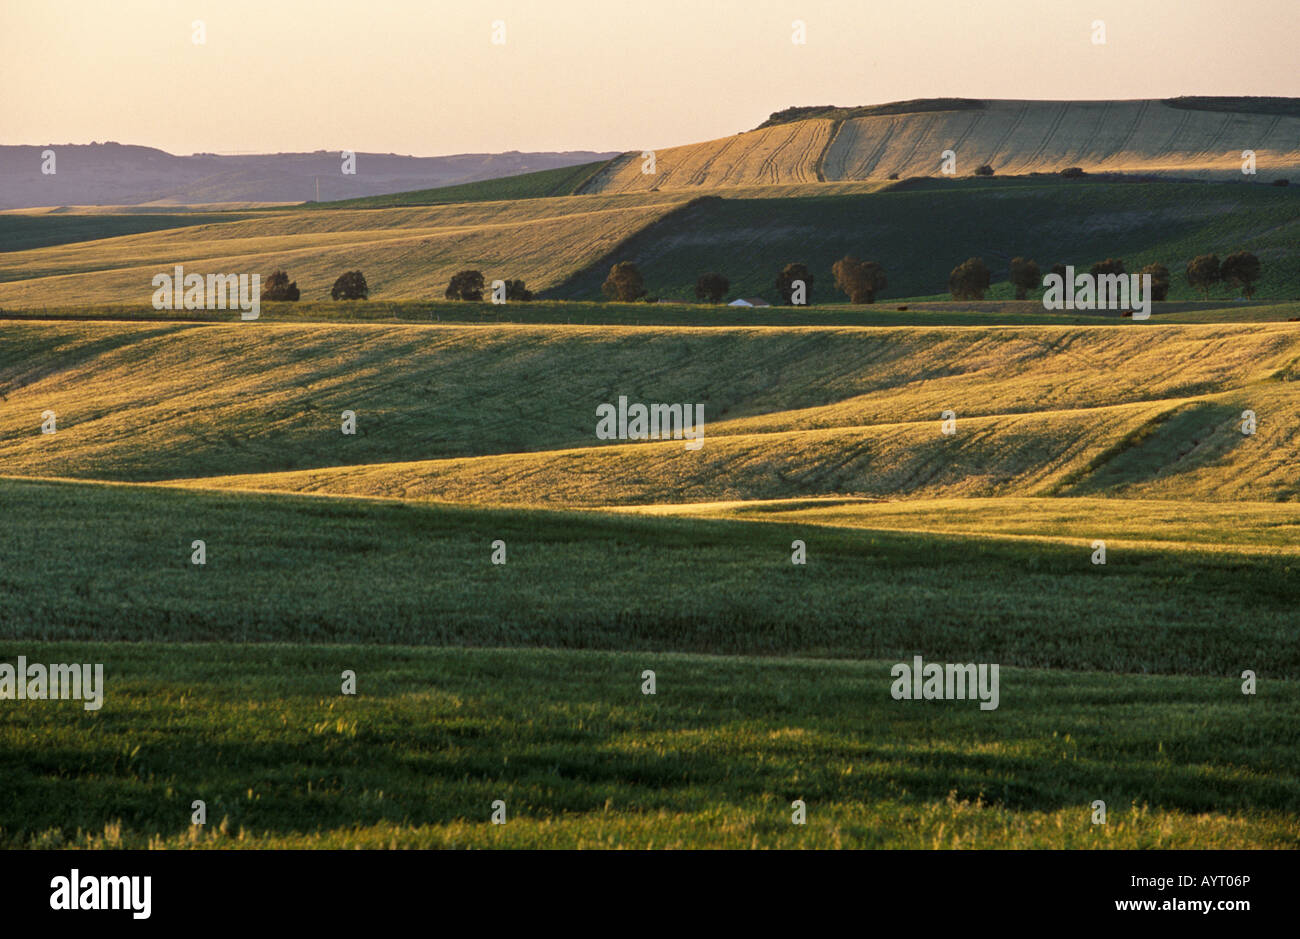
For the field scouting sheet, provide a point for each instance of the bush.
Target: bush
(969, 280)
(465, 285)
(984, 170)
(1159, 280)
(1242, 270)
(624, 283)
(1025, 276)
(1203, 272)
(351, 285)
(278, 287)
(861, 280)
(785, 282)
(1108, 266)
(711, 287)
(1073, 172)
(515, 290)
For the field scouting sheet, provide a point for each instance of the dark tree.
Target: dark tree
(711, 287)
(1108, 266)
(1159, 280)
(1025, 276)
(1203, 272)
(969, 280)
(1073, 172)
(465, 285)
(1059, 270)
(624, 283)
(350, 286)
(861, 280)
(1241, 269)
(278, 287)
(515, 290)
(984, 170)
(785, 282)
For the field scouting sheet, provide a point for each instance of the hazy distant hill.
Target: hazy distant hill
(117, 174)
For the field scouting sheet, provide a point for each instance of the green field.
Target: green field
(20, 231)
(583, 760)
(561, 181)
(297, 569)
(581, 757)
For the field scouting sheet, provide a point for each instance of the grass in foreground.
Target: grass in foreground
(583, 759)
(112, 562)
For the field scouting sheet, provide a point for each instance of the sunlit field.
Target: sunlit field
(522, 681)
(233, 516)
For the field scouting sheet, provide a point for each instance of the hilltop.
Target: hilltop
(1178, 136)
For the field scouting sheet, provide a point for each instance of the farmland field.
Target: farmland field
(583, 760)
(920, 232)
(564, 246)
(522, 681)
(404, 252)
(637, 643)
(1014, 137)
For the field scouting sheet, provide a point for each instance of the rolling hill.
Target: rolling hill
(564, 246)
(921, 231)
(404, 252)
(1118, 681)
(1203, 137)
(1148, 411)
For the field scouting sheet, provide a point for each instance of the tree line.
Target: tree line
(859, 280)
(351, 285)
(970, 279)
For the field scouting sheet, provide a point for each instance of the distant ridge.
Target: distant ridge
(121, 174)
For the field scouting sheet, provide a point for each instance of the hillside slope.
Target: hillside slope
(922, 230)
(405, 253)
(564, 246)
(507, 414)
(1014, 137)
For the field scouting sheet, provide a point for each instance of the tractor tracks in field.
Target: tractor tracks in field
(819, 166)
(1052, 128)
(1015, 124)
(978, 116)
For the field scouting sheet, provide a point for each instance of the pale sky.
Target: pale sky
(423, 77)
